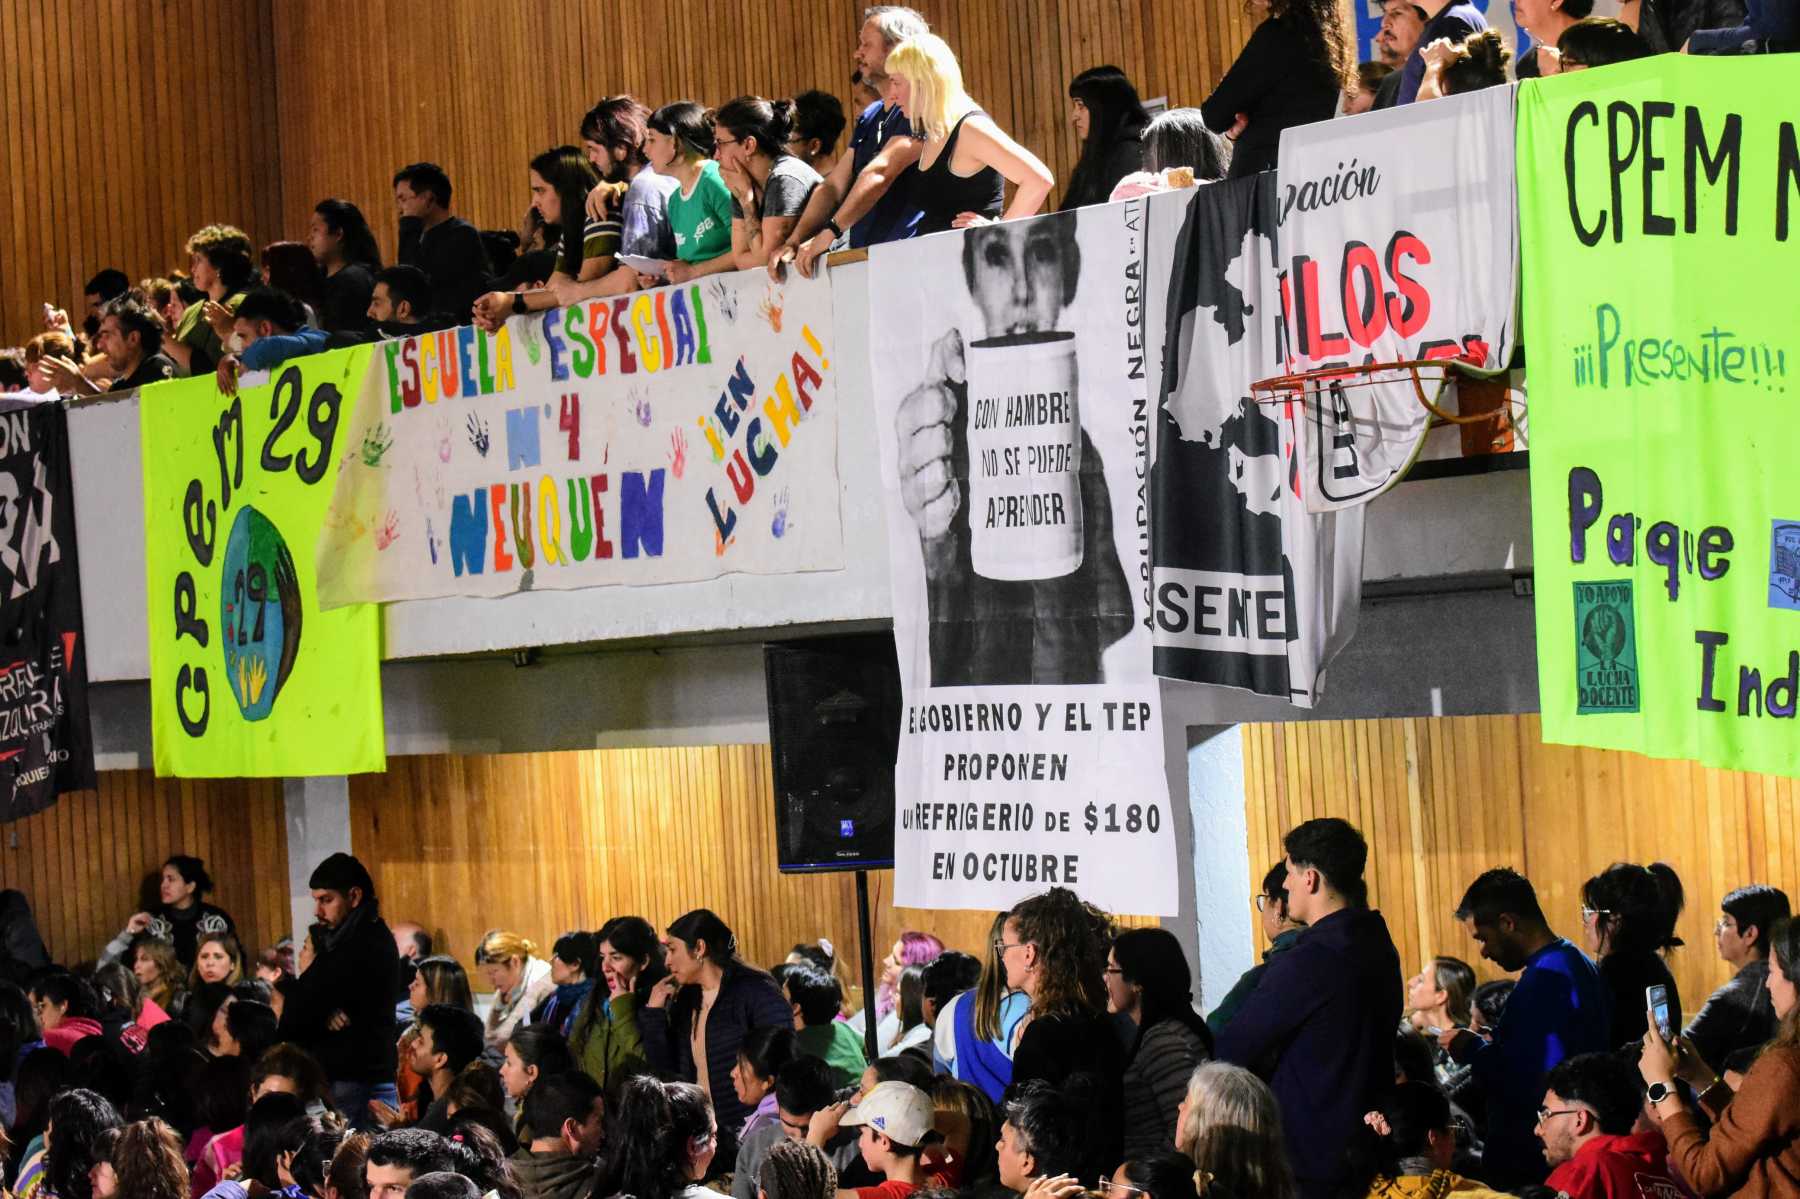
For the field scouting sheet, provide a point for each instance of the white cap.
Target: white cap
(899, 1110)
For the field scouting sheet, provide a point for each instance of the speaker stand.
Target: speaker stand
(865, 934)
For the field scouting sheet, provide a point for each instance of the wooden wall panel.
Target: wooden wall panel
(129, 124)
(84, 862)
(544, 843)
(1442, 799)
(133, 122)
(480, 89)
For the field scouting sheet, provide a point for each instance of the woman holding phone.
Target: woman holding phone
(1753, 1146)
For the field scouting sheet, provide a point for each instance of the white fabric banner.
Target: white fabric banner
(1009, 383)
(658, 437)
(1398, 235)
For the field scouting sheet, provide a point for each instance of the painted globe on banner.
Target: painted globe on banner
(259, 599)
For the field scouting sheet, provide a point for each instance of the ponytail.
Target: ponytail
(770, 122)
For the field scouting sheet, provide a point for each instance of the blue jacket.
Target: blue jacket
(1766, 19)
(1558, 1009)
(1320, 1029)
(267, 352)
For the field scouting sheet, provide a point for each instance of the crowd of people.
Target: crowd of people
(667, 195)
(1066, 1061)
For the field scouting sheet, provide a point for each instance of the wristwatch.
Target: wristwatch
(833, 226)
(1656, 1092)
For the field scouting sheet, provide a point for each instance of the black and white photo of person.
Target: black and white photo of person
(1007, 491)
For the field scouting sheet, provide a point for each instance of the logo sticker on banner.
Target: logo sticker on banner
(248, 677)
(664, 436)
(1251, 590)
(46, 746)
(1009, 380)
(1392, 256)
(1662, 225)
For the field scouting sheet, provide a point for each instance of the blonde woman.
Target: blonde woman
(520, 979)
(217, 959)
(1230, 1126)
(961, 174)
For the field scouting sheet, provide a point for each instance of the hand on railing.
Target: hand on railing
(806, 261)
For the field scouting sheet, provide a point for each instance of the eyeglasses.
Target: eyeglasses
(1544, 1114)
(722, 142)
(1116, 1190)
(1111, 970)
(1263, 902)
(1589, 914)
(1723, 923)
(1000, 947)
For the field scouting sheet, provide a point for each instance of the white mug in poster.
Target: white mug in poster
(1009, 382)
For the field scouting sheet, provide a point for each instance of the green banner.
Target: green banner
(1660, 217)
(247, 676)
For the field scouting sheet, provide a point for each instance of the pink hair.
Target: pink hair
(916, 949)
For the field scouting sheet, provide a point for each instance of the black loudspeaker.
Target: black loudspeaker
(834, 731)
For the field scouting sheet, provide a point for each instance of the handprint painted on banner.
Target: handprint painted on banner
(445, 441)
(641, 409)
(253, 676)
(773, 303)
(723, 300)
(376, 443)
(678, 453)
(478, 435)
(779, 524)
(389, 532)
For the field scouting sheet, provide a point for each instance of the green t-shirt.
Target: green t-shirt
(702, 218)
(836, 1044)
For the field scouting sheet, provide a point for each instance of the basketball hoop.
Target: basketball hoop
(1313, 387)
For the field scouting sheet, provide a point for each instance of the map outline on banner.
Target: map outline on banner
(1252, 590)
(672, 435)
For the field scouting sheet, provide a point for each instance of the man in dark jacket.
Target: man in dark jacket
(336, 1009)
(561, 1163)
(1320, 1025)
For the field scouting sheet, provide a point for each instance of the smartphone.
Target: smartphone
(1657, 998)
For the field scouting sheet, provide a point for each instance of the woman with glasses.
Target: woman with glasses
(1054, 949)
(1281, 932)
(1625, 926)
(769, 186)
(975, 1028)
(1155, 1174)
(1147, 979)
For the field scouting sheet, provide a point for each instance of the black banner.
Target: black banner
(46, 745)
(1250, 590)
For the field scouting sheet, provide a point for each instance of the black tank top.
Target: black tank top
(943, 195)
